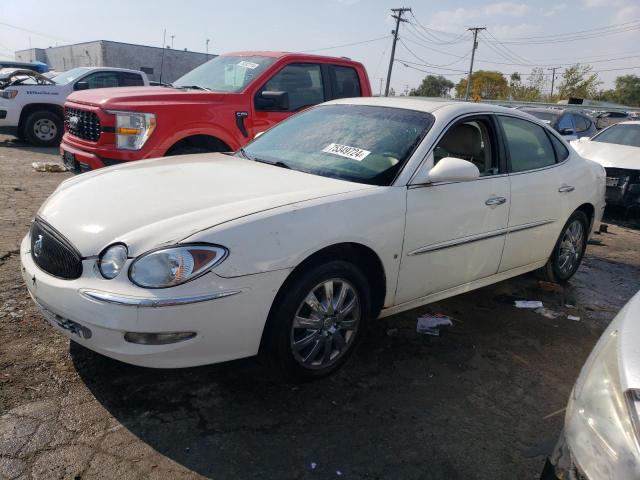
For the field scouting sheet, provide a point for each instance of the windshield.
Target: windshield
(225, 73)
(364, 144)
(546, 116)
(625, 134)
(69, 76)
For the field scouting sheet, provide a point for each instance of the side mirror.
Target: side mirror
(81, 86)
(448, 169)
(271, 100)
(567, 131)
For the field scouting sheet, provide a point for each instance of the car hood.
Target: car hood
(142, 97)
(609, 155)
(628, 324)
(151, 203)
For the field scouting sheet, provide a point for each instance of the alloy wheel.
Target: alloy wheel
(571, 247)
(325, 324)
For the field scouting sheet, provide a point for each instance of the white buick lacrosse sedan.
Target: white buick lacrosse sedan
(349, 211)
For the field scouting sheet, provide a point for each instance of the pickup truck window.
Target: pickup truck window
(128, 79)
(225, 73)
(303, 83)
(69, 76)
(345, 82)
(102, 80)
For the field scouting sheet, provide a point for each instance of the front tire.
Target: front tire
(43, 129)
(569, 250)
(317, 320)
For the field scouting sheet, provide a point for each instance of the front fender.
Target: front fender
(284, 237)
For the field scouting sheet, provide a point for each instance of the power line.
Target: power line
(589, 30)
(573, 37)
(346, 44)
(36, 33)
(434, 65)
(503, 47)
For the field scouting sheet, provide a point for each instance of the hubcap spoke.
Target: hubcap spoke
(314, 303)
(328, 294)
(306, 341)
(308, 323)
(313, 353)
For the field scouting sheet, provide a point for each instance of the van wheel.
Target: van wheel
(43, 129)
(318, 320)
(569, 250)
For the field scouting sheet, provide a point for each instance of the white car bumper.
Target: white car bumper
(226, 314)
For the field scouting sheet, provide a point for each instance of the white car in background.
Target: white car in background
(601, 435)
(617, 149)
(31, 104)
(355, 209)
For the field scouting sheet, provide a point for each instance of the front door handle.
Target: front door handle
(493, 201)
(566, 188)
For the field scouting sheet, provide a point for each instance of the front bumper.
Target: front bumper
(228, 323)
(623, 187)
(560, 465)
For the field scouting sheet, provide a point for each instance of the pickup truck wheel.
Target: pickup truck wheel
(569, 250)
(318, 320)
(43, 129)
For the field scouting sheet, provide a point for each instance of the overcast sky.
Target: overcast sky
(291, 25)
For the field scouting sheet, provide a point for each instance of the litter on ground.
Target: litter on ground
(529, 304)
(48, 167)
(574, 318)
(430, 324)
(547, 312)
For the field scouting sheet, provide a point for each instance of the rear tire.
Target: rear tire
(309, 337)
(569, 250)
(43, 128)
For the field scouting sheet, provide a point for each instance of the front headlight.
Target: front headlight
(171, 266)
(111, 260)
(9, 94)
(598, 422)
(133, 129)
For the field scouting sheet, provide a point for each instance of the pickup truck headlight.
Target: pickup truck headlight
(168, 267)
(133, 129)
(9, 94)
(599, 423)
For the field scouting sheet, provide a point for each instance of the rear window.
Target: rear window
(345, 82)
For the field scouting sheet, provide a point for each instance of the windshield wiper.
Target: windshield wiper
(194, 87)
(244, 153)
(279, 163)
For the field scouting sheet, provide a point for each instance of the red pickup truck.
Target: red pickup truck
(217, 107)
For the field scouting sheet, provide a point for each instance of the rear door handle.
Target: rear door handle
(566, 188)
(493, 201)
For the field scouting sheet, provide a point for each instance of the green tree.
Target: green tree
(488, 84)
(433, 86)
(627, 90)
(579, 81)
(532, 90)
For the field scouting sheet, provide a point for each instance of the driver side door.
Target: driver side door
(455, 231)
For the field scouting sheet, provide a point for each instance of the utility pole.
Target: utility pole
(381, 83)
(473, 54)
(172, 41)
(553, 80)
(164, 47)
(398, 16)
(207, 47)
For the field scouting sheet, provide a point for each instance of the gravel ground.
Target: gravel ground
(482, 401)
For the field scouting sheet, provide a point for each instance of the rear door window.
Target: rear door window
(582, 124)
(528, 145)
(303, 83)
(101, 80)
(345, 82)
(128, 79)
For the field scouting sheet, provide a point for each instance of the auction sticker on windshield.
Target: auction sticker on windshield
(246, 64)
(353, 153)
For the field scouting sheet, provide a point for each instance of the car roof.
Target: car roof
(117, 69)
(266, 53)
(425, 104)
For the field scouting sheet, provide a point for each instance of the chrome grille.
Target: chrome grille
(82, 124)
(53, 253)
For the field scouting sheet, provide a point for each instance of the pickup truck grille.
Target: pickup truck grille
(53, 253)
(82, 124)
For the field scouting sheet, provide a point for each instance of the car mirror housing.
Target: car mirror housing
(81, 86)
(567, 131)
(272, 100)
(452, 169)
